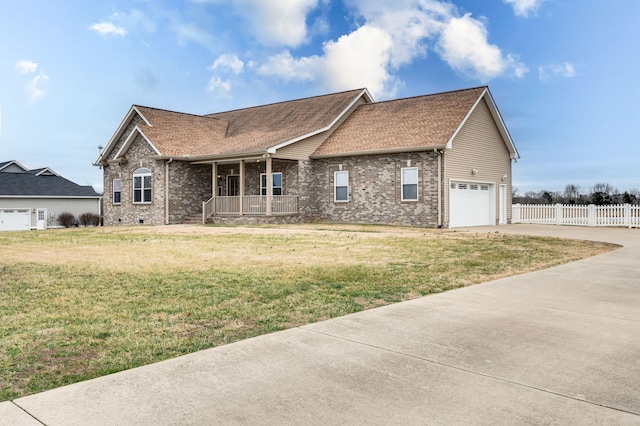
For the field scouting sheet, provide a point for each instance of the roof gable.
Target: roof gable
(410, 124)
(12, 166)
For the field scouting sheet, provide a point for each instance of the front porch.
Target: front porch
(240, 188)
(250, 205)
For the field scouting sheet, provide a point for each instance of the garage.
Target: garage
(15, 219)
(471, 204)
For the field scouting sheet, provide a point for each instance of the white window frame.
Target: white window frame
(141, 174)
(275, 189)
(119, 191)
(403, 183)
(336, 186)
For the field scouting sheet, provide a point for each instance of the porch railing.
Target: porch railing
(251, 205)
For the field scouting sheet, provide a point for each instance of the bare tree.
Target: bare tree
(603, 194)
(572, 193)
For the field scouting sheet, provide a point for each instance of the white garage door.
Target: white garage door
(470, 204)
(15, 219)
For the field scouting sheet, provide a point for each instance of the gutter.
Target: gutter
(215, 157)
(377, 152)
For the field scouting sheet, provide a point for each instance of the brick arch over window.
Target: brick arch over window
(142, 185)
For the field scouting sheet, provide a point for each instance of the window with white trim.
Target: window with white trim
(341, 186)
(117, 191)
(276, 182)
(142, 186)
(409, 178)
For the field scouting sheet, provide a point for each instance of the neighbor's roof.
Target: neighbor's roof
(403, 124)
(32, 183)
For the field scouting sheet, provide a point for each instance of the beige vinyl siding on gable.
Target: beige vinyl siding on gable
(478, 145)
(303, 149)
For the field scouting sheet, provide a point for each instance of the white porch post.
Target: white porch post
(241, 189)
(269, 193)
(214, 185)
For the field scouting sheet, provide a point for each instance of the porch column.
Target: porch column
(214, 185)
(241, 189)
(269, 193)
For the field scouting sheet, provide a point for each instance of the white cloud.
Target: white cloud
(281, 22)
(191, 32)
(26, 66)
(107, 29)
(135, 18)
(391, 35)
(464, 46)
(228, 61)
(217, 85)
(285, 66)
(34, 86)
(524, 7)
(564, 69)
(359, 59)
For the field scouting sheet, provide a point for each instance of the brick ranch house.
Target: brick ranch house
(441, 160)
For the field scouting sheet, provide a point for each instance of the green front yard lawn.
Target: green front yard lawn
(81, 303)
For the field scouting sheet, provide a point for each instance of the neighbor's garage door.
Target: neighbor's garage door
(470, 204)
(15, 219)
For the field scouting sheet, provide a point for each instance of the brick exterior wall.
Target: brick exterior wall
(374, 190)
(127, 213)
(189, 186)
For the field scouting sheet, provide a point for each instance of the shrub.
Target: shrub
(67, 219)
(89, 219)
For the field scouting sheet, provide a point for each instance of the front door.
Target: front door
(233, 185)
(41, 222)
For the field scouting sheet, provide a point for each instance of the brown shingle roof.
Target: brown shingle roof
(174, 133)
(265, 126)
(244, 130)
(421, 121)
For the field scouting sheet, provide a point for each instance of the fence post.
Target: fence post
(558, 214)
(592, 214)
(515, 213)
(627, 215)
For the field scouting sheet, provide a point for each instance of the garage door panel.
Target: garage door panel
(470, 204)
(15, 219)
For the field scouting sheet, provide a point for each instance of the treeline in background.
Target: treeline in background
(600, 194)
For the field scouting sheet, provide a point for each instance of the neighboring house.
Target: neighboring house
(33, 199)
(441, 160)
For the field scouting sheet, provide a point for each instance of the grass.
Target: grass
(77, 304)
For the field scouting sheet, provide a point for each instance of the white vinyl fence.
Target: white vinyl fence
(567, 214)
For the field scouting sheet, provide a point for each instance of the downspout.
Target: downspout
(166, 190)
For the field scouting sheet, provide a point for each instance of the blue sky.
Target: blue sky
(564, 73)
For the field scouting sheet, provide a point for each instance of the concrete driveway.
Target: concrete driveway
(560, 346)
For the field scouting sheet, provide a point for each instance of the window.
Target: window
(484, 187)
(409, 184)
(276, 182)
(341, 186)
(462, 186)
(142, 186)
(473, 187)
(116, 191)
